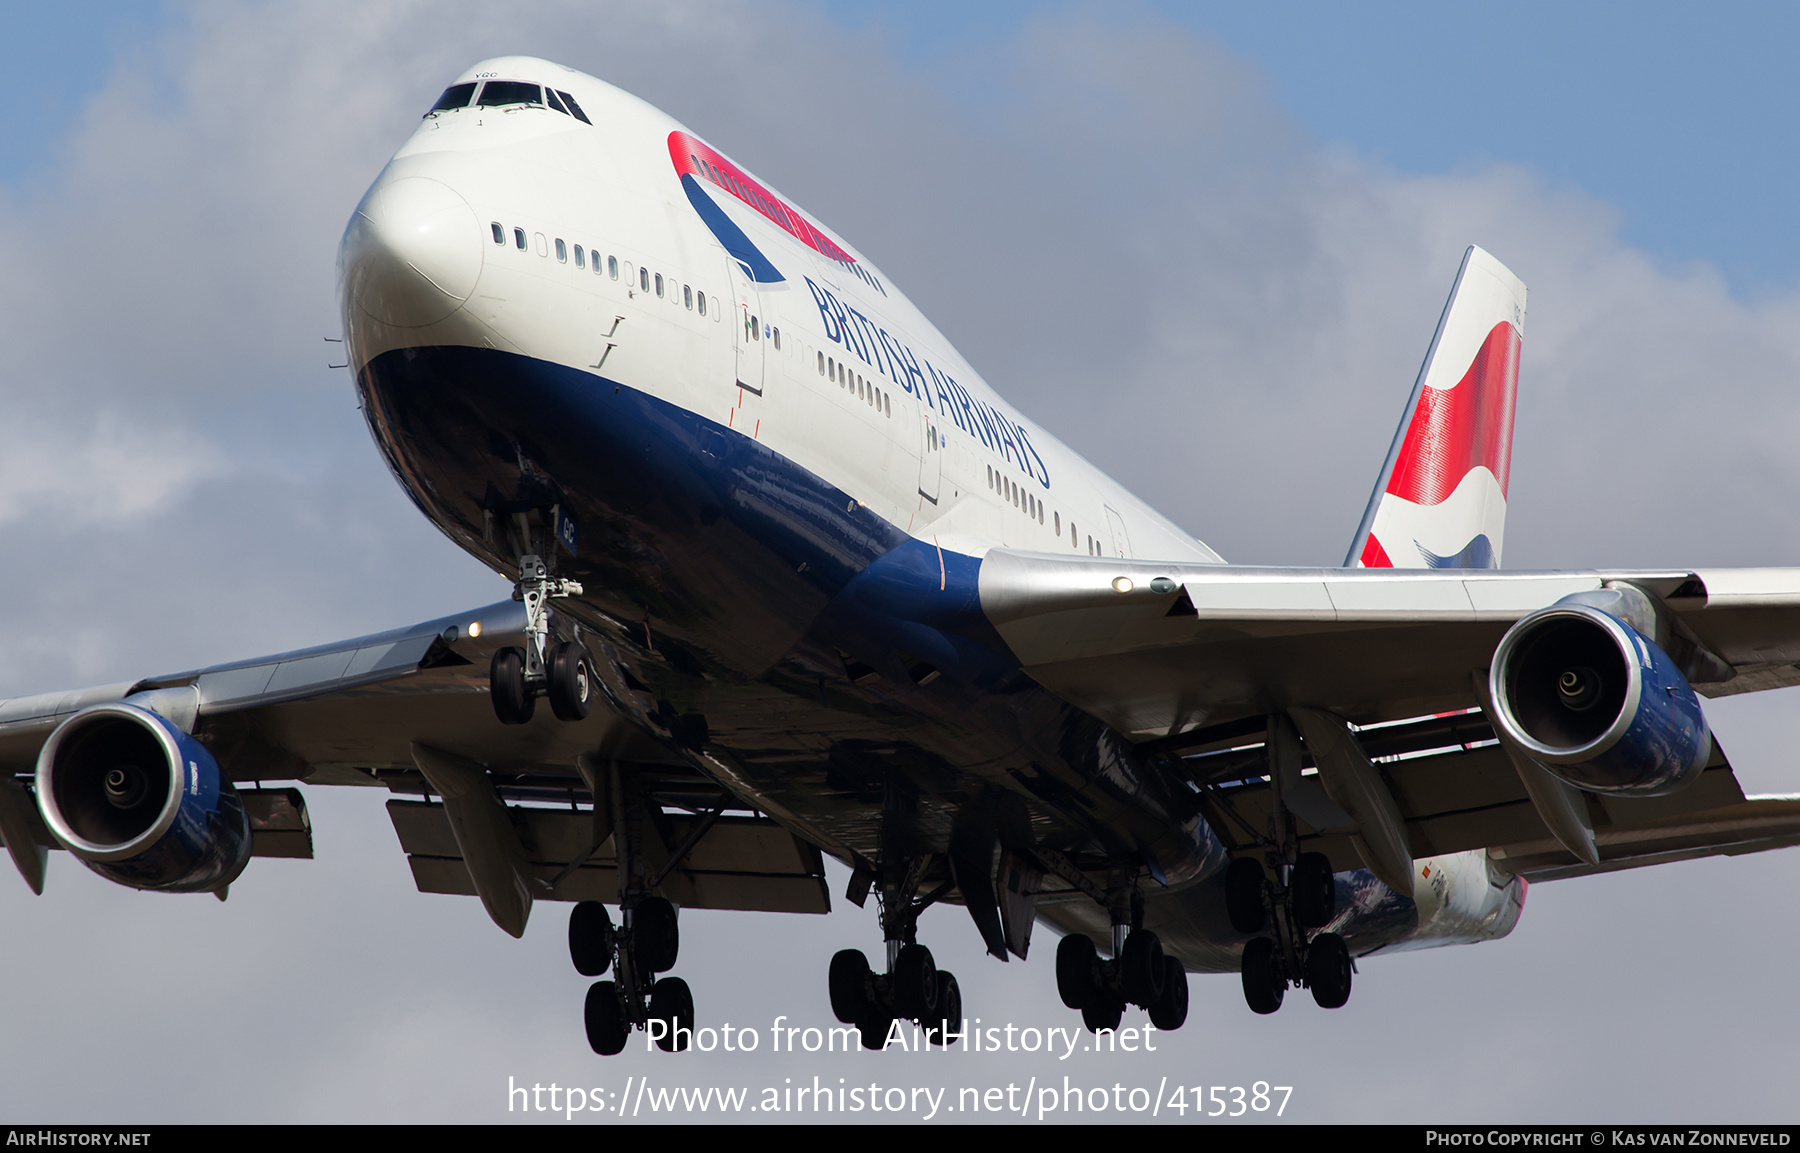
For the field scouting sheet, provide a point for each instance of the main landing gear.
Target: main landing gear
(913, 988)
(647, 943)
(560, 670)
(1290, 909)
(1306, 901)
(1138, 972)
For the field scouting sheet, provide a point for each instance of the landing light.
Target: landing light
(474, 628)
(1122, 584)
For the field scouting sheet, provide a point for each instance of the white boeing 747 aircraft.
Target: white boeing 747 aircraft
(792, 580)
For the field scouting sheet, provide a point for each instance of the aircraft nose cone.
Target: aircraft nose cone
(412, 253)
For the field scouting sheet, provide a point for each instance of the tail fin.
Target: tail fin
(1441, 499)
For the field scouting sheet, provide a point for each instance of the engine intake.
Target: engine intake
(141, 802)
(1597, 703)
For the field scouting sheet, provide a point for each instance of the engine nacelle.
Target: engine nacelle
(141, 802)
(1597, 703)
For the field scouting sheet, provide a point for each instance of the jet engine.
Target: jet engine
(1597, 703)
(141, 802)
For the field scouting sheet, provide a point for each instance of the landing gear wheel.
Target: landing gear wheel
(915, 983)
(1170, 1011)
(673, 1002)
(1315, 890)
(849, 983)
(1244, 895)
(1102, 1013)
(947, 1015)
(571, 676)
(606, 1029)
(1075, 959)
(1264, 986)
(1328, 970)
(513, 702)
(590, 938)
(1141, 968)
(873, 1030)
(655, 940)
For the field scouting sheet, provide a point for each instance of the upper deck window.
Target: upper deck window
(574, 108)
(498, 92)
(455, 96)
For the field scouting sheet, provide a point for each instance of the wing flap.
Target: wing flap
(750, 864)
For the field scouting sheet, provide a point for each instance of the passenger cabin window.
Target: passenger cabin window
(574, 108)
(455, 96)
(702, 297)
(519, 237)
(498, 93)
(644, 279)
(612, 267)
(687, 296)
(579, 257)
(562, 250)
(776, 333)
(499, 233)
(659, 291)
(821, 364)
(1056, 522)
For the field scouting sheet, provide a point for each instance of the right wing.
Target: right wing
(368, 711)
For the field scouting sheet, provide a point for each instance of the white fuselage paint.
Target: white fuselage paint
(611, 188)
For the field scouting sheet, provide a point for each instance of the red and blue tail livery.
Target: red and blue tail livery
(1441, 499)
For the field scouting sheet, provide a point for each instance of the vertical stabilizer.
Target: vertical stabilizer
(1441, 499)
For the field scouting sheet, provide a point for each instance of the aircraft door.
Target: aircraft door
(1121, 542)
(931, 454)
(751, 330)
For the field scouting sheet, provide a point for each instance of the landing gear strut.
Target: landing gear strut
(913, 988)
(1300, 898)
(1138, 973)
(648, 943)
(560, 670)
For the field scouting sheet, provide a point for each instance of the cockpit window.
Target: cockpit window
(574, 108)
(550, 99)
(498, 92)
(455, 96)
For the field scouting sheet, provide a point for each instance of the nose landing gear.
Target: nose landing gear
(561, 670)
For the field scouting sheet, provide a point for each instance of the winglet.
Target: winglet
(1440, 501)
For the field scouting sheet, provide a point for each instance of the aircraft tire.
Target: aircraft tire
(1244, 895)
(606, 1028)
(571, 681)
(655, 936)
(915, 983)
(1264, 986)
(513, 703)
(1328, 970)
(849, 985)
(1171, 1009)
(1075, 962)
(1141, 969)
(947, 1014)
(672, 1001)
(1103, 1012)
(873, 1030)
(590, 938)
(1315, 890)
